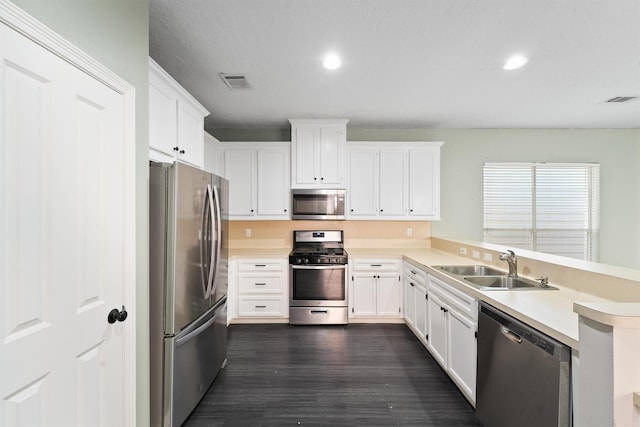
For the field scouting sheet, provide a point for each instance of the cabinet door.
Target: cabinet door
(363, 182)
(331, 152)
(190, 134)
(273, 182)
(437, 327)
(462, 352)
(424, 182)
(388, 294)
(212, 155)
(305, 144)
(364, 294)
(239, 167)
(163, 111)
(393, 182)
(421, 310)
(409, 302)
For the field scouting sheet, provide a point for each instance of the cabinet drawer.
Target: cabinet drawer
(260, 306)
(465, 304)
(260, 283)
(261, 265)
(376, 264)
(415, 275)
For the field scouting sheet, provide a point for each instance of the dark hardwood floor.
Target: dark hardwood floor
(355, 375)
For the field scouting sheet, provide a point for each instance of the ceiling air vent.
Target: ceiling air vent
(620, 99)
(235, 81)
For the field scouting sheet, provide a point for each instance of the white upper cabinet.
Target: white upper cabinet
(363, 182)
(212, 155)
(424, 182)
(176, 120)
(273, 181)
(393, 180)
(240, 170)
(317, 153)
(259, 179)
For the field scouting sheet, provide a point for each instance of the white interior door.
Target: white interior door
(63, 235)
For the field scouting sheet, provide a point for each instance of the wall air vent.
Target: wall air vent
(620, 99)
(235, 81)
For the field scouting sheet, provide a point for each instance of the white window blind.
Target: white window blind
(545, 207)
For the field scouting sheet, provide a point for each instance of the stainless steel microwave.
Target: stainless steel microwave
(317, 204)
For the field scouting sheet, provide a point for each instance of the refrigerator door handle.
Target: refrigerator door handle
(205, 237)
(217, 245)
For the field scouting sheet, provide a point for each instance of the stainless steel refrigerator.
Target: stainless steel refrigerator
(188, 279)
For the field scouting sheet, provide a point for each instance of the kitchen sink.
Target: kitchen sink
(489, 278)
(469, 270)
(505, 282)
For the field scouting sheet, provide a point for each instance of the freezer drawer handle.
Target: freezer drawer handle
(319, 311)
(511, 335)
(194, 333)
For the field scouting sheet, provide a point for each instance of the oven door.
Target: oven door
(318, 286)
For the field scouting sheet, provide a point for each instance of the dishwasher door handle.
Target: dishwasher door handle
(511, 335)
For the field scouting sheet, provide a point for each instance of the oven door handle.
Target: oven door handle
(319, 267)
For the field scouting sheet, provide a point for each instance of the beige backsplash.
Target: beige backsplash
(360, 234)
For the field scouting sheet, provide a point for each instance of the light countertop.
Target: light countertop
(550, 311)
(625, 315)
(259, 252)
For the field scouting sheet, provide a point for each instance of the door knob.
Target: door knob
(115, 314)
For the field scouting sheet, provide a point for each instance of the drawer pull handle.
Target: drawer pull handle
(260, 265)
(376, 265)
(260, 306)
(319, 311)
(260, 284)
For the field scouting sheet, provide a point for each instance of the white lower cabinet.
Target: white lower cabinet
(415, 300)
(375, 289)
(262, 289)
(452, 325)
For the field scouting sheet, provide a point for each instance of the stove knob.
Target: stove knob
(306, 260)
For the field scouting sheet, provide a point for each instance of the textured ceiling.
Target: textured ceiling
(406, 63)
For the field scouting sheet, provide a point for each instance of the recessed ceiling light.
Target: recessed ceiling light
(331, 61)
(515, 62)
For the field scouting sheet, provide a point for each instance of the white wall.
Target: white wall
(116, 34)
(465, 151)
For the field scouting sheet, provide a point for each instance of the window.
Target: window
(545, 207)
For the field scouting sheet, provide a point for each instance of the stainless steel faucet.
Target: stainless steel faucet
(511, 259)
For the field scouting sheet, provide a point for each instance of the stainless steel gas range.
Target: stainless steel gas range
(318, 278)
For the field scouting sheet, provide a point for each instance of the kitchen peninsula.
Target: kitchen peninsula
(549, 311)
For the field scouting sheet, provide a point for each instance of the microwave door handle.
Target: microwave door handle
(215, 246)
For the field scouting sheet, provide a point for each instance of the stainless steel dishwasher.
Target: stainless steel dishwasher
(524, 376)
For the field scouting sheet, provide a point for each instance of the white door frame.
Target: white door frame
(27, 25)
